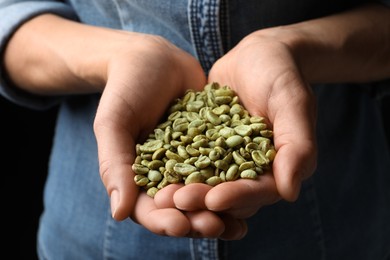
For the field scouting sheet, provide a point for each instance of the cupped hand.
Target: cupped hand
(204, 222)
(144, 75)
(263, 71)
(233, 202)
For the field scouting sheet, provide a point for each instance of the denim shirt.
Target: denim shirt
(342, 211)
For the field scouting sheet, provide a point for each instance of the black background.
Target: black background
(26, 138)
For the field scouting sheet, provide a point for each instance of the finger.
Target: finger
(191, 197)
(291, 167)
(235, 228)
(242, 198)
(205, 224)
(167, 221)
(294, 138)
(164, 197)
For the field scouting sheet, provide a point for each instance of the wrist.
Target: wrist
(346, 47)
(305, 50)
(63, 57)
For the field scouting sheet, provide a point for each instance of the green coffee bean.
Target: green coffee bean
(169, 164)
(213, 118)
(243, 130)
(248, 174)
(151, 192)
(182, 152)
(159, 153)
(257, 119)
(171, 155)
(221, 110)
(236, 109)
(207, 172)
(237, 157)
(163, 183)
(154, 176)
(227, 132)
(194, 106)
(155, 164)
(234, 140)
(221, 164)
(184, 169)
(151, 146)
(141, 180)
(246, 166)
(202, 162)
(223, 100)
(214, 180)
(259, 158)
(232, 173)
(172, 177)
(192, 151)
(214, 155)
(194, 177)
(191, 160)
(270, 154)
(140, 169)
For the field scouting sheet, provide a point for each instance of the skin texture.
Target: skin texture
(267, 68)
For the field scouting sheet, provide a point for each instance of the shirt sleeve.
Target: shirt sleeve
(13, 14)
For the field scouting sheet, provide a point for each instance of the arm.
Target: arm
(350, 47)
(48, 50)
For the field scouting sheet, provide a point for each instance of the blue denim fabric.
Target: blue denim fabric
(343, 211)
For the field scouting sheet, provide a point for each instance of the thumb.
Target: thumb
(295, 142)
(116, 152)
(292, 164)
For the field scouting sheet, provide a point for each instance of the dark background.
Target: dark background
(26, 137)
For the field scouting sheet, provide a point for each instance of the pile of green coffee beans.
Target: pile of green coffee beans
(208, 137)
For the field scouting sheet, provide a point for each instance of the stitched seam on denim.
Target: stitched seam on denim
(224, 25)
(108, 234)
(204, 249)
(311, 196)
(204, 24)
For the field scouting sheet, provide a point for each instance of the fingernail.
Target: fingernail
(114, 202)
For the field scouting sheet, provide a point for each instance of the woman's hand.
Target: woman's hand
(264, 73)
(144, 76)
(265, 76)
